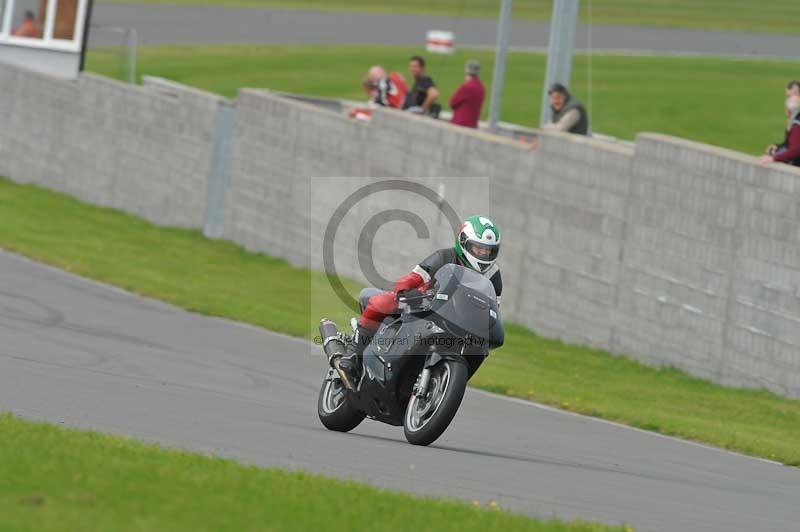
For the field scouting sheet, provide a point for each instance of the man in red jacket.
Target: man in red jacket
(468, 99)
(789, 151)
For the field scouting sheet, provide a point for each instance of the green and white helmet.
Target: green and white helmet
(477, 243)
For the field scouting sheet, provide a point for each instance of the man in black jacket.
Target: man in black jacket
(422, 98)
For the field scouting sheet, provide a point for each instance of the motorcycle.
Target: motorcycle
(416, 368)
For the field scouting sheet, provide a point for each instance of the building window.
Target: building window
(28, 18)
(66, 16)
(56, 24)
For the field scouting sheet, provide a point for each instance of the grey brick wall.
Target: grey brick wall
(278, 146)
(672, 252)
(574, 207)
(109, 143)
(710, 267)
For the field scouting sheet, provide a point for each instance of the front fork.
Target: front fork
(424, 379)
(432, 360)
(422, 383)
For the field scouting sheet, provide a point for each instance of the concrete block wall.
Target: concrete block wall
(109, 143)
(461, 163)
(710, 269)
(762, 334)
(679, 256)
(574, 213)
(298, 163)
(669, 251)
(279, 147)
(561, 210)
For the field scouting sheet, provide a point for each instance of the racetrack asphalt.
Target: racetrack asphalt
(170, 24)
(84, 354)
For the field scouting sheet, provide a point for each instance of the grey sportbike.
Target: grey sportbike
(415, 370)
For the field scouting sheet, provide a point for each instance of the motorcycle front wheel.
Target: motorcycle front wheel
(428, 416)
(334, 409)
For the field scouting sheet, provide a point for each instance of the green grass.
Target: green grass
(228, 281)
(732, 103)
(744, 15)
(55, 479)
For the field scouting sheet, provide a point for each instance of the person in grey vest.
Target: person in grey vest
(569, 114)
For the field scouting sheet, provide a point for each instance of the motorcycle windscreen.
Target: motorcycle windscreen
(466, 300)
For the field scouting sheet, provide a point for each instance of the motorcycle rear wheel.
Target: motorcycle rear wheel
(334, 409)
(429, 416)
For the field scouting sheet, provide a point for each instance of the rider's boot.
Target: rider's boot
(348, 365)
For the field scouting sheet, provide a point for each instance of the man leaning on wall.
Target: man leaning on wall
(789, 150)
(568, 113)
(422, 98)
(792, 89)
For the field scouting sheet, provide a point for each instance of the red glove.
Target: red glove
(409, 282)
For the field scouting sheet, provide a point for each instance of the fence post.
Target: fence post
(560, 50)
(132, 41)
(219, 178)
(498, 78)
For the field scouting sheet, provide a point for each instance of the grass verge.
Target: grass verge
(57, 479)
(228, 281)
(736, 104)
(744, 15)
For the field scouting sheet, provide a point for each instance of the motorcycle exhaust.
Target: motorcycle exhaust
(331, 342)
(335, 348)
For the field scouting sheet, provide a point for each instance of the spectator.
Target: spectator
(792, 89)
(28, 28)
(789, 150)
(568, 113)
(423, 95)
(387, 90)
(468, 99)
(368, 87)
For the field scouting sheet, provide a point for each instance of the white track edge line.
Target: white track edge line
(617, 424)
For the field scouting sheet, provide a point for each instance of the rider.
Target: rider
(476, 247)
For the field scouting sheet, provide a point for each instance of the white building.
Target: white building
(43, 35)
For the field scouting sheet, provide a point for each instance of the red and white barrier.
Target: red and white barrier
(440, 42)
